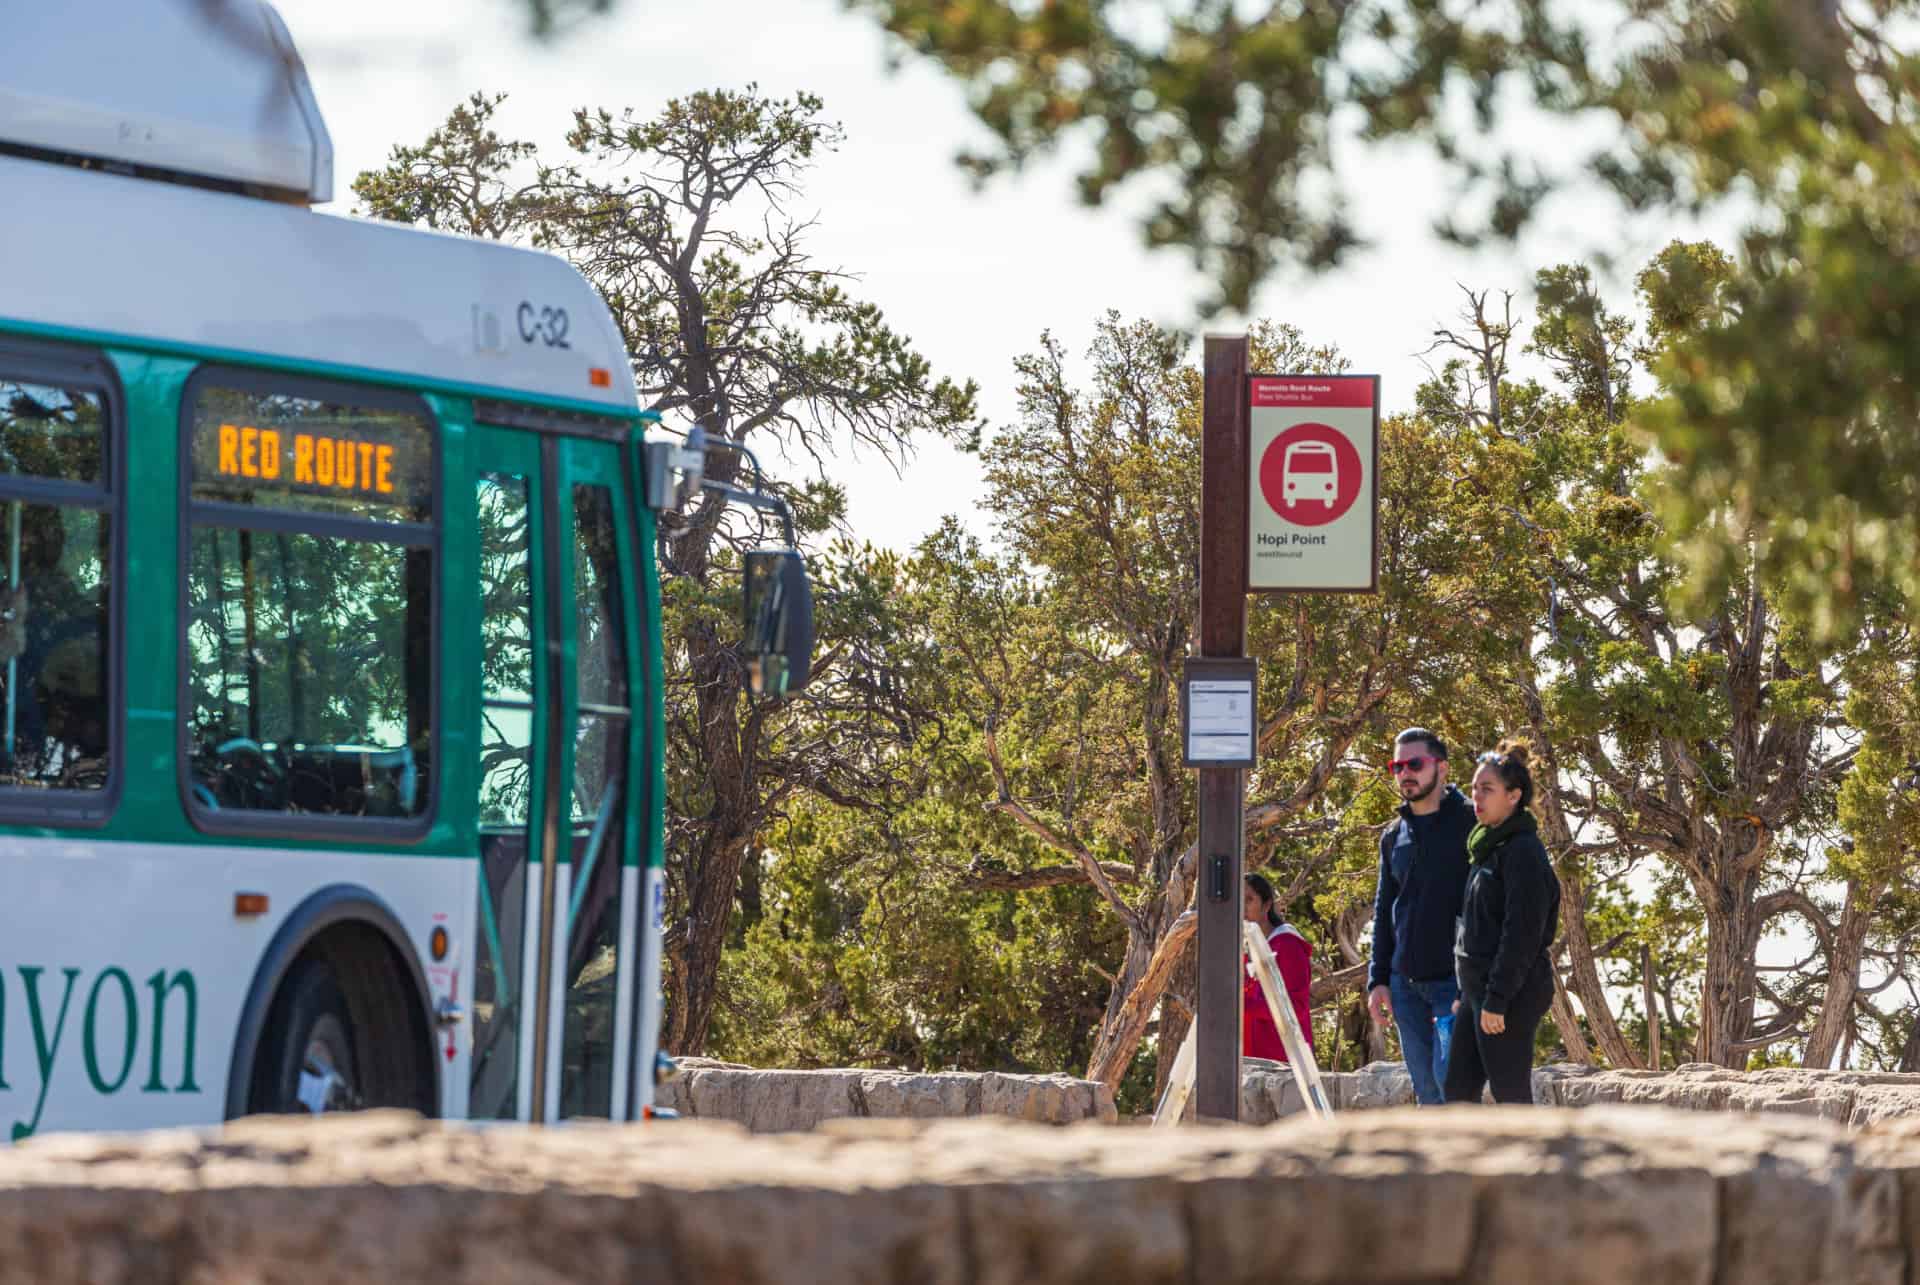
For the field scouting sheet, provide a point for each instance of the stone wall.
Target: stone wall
(773, 1101)
(1850, 1098)
(1591, 1197)
(768, 1101)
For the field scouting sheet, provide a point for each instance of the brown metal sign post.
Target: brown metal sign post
(1289, 503)
(1223, 634)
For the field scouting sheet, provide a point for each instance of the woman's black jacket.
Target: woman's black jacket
(1508, 920)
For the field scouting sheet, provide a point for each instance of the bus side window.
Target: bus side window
(310, 605)
(56, 584)
(506, 652)
(506, 786)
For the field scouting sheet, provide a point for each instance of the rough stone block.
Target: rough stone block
(770, 1101)
(1386, 1197)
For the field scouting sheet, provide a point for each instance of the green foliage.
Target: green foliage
(1523, 588)
(1235, 109)
(915, 845)
(1790, 383)
(1057, 660)
(1878, 806)
(1709, 772)
(866, 953)
(458, 180)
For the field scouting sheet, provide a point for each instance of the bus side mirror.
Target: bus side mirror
(778, 626)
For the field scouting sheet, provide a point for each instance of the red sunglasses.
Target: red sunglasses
(1413, 764)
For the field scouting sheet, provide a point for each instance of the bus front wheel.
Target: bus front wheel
(308, 1061)
(346, 1031)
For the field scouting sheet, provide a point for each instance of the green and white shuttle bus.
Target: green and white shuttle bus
(330, 703)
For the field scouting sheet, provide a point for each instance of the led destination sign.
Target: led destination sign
(305, 453)
(306, 459)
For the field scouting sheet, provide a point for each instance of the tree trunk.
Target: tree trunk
(1843, 977)
(1358, 1036)
(1586, 981)
(1910, 1052)
(1653, 1012)
(1173, 1027)
(1371, 1035)
(1729, 870)
(1723, 1005)
(1567, 1023)
(1144, 972)
(713, 868)
(1558, 837)
(1329, 988)
(1378, 1050)
(691, 984)
(1174, 1020)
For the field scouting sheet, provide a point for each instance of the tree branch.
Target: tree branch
(1007, 805)
(986, 875)
(1146, 993)
(1331, 986)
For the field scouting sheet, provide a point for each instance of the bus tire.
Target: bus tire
(345, 1032)
(308, 1060)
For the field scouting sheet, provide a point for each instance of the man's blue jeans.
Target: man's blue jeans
(1423, 1014)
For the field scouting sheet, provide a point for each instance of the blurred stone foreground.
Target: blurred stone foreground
(1599, 1196)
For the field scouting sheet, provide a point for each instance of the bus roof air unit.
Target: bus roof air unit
(207, 91)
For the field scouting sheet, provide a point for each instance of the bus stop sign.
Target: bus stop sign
(1313, 490)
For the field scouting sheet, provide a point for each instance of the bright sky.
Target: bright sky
(972, 277)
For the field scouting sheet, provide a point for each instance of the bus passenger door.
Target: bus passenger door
(559, 897)
(513, 679)
(596, 902)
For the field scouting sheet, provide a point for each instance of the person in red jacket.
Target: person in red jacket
(1259, 1037)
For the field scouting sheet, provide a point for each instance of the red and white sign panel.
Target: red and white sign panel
(1313, 490)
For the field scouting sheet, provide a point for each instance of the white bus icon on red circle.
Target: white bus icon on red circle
(1310, 471)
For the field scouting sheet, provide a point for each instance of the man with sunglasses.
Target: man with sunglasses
(1423, 878)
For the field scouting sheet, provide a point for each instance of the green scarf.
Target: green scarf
(1482, 842)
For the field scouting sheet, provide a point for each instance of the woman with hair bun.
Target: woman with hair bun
(1259, 1037)
(1500, 945)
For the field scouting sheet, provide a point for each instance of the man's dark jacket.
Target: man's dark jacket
(1423, 877)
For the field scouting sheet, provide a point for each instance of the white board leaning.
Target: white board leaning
(1313, 489)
